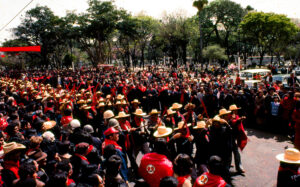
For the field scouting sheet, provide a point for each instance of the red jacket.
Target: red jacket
(209, 180)
(154, 167)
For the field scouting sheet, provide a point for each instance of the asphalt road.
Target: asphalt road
(258, 159)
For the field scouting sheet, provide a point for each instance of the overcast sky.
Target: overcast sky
(155, 8)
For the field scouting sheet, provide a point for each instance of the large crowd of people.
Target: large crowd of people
(87, 127)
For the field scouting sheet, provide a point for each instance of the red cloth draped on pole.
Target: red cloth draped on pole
(21, 49)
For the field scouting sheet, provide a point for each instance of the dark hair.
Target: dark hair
(160, 146)
(58, 179)
(68, 112)
(183, 165)
(109, 150)
(215, 165)
(26, 170)
(63, 166)
(168, 182)
(113, 164)
(63, 147)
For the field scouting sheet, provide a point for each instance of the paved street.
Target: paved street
(259, 160)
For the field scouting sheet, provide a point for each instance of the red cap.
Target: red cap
(110, 131)
(66, 120)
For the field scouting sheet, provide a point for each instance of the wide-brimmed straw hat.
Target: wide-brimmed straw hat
(11, 147)
(216, 118)
(180, 125)
(108, 114)
(153, 112)
(118, 103)
(139, 112)
(189, 105)
(122, 115)
(290, 155)
(81, 101)
(233, 107)
(120, 97)
(135, 101)
(170, 112)
(176, 106)
(200, 125)
(223, 111)
(101, 105)
(162, 131)
(48, 125)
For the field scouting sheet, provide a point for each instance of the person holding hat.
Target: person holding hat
(239, 137)
(288, 172)
(12, 155)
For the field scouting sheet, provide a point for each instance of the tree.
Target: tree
(214, 52)
(268, 31)
(200, 4)
(225, 16)
(96, 29)
(41, 27)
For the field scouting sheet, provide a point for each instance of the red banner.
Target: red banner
(21, 49)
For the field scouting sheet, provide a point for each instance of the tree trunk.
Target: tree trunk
(201, 39)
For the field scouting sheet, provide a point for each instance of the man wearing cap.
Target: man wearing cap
(155, 166)
(111, 137)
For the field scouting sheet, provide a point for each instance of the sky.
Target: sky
(155, 8)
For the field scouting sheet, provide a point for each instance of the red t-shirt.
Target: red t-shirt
(155, 167)
(209, 180)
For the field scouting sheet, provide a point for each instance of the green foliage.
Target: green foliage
(268, 32)
(214, 52)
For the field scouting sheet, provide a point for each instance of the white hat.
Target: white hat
(48, 136)
(75, 123)
(290, 155)
(162, 131)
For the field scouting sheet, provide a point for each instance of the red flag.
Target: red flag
(28, 48)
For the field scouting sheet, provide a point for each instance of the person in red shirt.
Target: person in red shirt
(212, 178)
(111, 137)
(155, 166)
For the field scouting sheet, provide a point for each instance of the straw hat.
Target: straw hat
(153, 112)
(170, 112)
(11, 147)
(101, 100)
(135, 101)
(118, 103)
(109, 103)
(81, 101)
(48, 125)
(108, 114)
(216, 118)
(108, 96)
(139, 112)
(189, 105)
(123, 102)
(290, 155)
(162, 131)
(87, 107)
(99, 93)
(122, 115)
(176, 106)
(224, 112)
(101, 105)
(200, 125)
(120, 97)
(180, 125)
(233, 107)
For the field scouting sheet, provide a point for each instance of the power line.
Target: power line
(16, 15)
